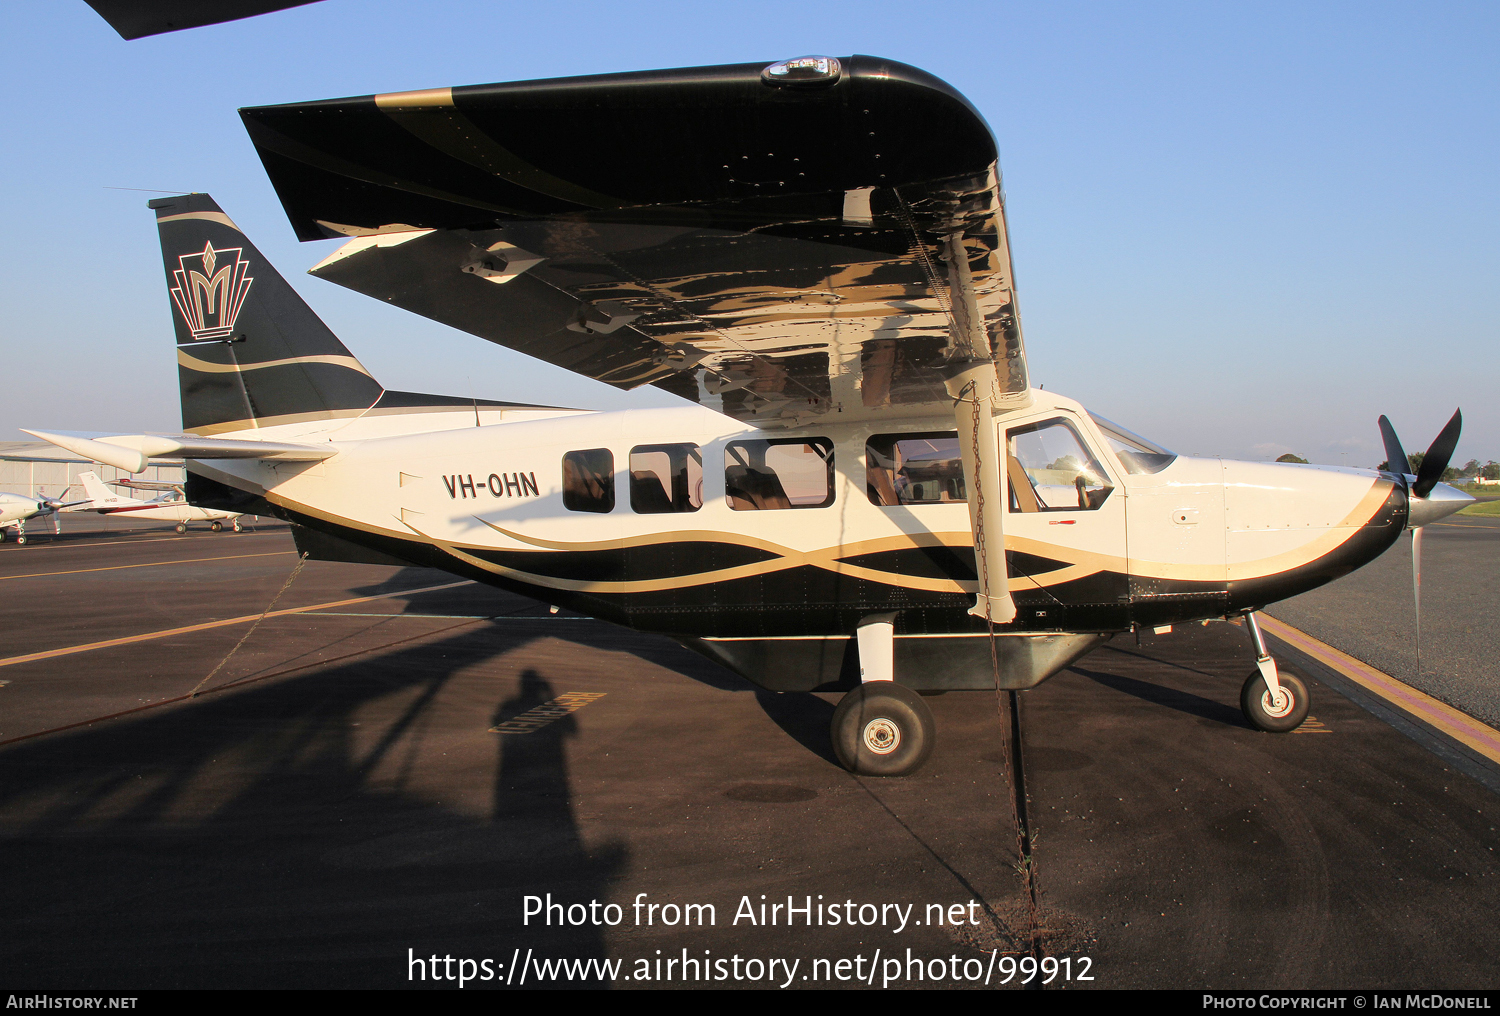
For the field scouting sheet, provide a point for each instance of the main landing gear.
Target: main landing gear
(1272, 700)
(881, 728)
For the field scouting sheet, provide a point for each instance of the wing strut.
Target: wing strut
(975, 388)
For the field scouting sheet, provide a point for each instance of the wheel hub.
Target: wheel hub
(881, 736)
(1274, 706)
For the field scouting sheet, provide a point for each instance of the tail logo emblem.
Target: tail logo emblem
(210, 300)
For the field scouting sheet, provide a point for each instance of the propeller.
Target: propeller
(1438, 454)
(1433, 463)
(1421, 486)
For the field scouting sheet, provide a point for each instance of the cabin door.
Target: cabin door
(1064, 527)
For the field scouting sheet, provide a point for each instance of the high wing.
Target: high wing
(773, 242)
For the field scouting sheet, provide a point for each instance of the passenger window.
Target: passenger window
(589, 481)
(666, 478)
(904, 469)
(787, 473)
(1050, 469)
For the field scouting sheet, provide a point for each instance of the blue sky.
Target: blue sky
(1240, 229)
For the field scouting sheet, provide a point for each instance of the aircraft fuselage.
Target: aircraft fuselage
(669, 537)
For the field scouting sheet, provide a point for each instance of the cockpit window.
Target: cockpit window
(1050, 469)
(1135, 453)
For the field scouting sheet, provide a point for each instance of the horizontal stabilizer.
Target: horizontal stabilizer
(131, 452)
(146, 485)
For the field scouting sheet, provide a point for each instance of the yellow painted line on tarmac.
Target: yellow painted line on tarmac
(246, 619)
(126, 541)
(1458, 725)
(146, 564)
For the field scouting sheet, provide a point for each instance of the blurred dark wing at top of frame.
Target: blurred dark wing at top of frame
(135, 19)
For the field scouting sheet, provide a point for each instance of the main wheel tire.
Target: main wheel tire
(181, 528)
(883, 729)
(217, 527)
(1275, 717)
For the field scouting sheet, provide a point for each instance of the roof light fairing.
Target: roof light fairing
(803, 71)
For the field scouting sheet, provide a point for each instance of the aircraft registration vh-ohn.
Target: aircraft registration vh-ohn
(862, 491)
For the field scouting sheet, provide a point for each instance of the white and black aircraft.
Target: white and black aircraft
(865, 492)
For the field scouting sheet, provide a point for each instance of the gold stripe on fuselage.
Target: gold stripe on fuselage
(1075, 564)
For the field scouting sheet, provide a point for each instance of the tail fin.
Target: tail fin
(96, 491)
(250, 352)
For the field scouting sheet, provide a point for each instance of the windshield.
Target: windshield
(1135, 453)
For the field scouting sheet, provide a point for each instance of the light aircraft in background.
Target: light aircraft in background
(167, 507)
(863, 492)
(18, 509)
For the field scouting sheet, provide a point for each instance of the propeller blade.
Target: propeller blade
(1395, 455)
(1436, 459)
(1416, 588)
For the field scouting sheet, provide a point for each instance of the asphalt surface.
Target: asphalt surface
(342, 801)
(1370, 614)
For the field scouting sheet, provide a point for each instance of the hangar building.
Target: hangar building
(36, 469)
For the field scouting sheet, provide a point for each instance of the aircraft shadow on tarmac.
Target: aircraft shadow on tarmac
(1172, 698)
(495, 603)
(269, 836)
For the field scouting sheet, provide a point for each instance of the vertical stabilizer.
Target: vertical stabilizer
(250, 352)
(96, 491)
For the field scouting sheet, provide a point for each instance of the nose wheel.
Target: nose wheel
(1272, 699)
(1276, 712)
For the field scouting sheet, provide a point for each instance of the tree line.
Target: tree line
(1468, 471)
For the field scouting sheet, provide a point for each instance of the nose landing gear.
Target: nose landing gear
(1271, 700)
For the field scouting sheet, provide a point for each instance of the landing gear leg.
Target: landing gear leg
(881, 728)
(20, 532)
(237, 525)
(1271, 700)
